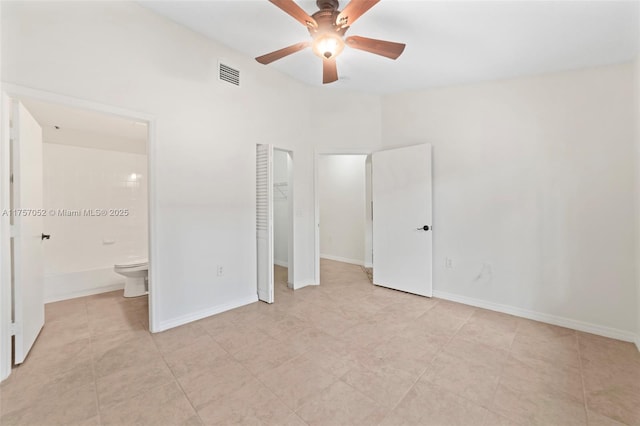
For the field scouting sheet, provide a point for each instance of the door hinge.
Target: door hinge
(13, 328)
(11, 178)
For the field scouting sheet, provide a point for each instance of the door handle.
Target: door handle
(46, 236)
(424, 228)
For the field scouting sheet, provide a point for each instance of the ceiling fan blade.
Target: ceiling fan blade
(279, 54)
(389, 49)
(296, 12)
(329, 71)
(354, 10)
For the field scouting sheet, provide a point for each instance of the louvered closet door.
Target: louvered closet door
(264, 221)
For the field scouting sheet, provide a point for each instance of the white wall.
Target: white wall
(280, 208)
(206, 131)
(533, 191)
(341, 180)
(79, 258)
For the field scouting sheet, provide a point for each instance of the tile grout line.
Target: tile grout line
(255, 375)
(338, 379)
(295, 412)
(488, 409)
(93, 365)
(508, 351)
(584, 390)
(430, 363)
(175, 378)
(276, 338)
(252, 375)
(495, 392)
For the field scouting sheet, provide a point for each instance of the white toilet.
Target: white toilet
(135, 272)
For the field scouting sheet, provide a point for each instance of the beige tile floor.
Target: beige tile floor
(344, 353)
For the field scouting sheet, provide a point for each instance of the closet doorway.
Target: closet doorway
(282, 218)
(274, 221)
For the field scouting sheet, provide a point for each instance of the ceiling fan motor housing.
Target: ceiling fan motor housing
(327, 37)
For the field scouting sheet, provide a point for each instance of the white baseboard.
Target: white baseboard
(81, 283)
(342, 259)
(175, 322)
(303, 283)
(638, 342)
(600, 330)
(282, 263)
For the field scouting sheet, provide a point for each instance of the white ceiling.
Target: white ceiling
(448, 42)
(86, 128)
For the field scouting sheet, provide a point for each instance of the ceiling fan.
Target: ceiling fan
(327, 27)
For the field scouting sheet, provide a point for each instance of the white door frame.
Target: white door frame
(316, 196)
(290, 214)
(16, 91)
(5, 243)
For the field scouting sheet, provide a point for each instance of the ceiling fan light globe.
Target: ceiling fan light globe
(328, 45)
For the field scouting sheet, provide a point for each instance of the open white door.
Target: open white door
(28, 234)
(264, 221)
(402, 239)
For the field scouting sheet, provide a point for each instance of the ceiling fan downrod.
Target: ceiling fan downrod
(327, 4)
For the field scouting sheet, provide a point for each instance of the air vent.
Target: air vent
(228, 74)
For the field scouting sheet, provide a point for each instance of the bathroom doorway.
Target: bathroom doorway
(93, 207)
(95, 194)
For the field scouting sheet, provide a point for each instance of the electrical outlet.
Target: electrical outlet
(220, 270)
(448, 263)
